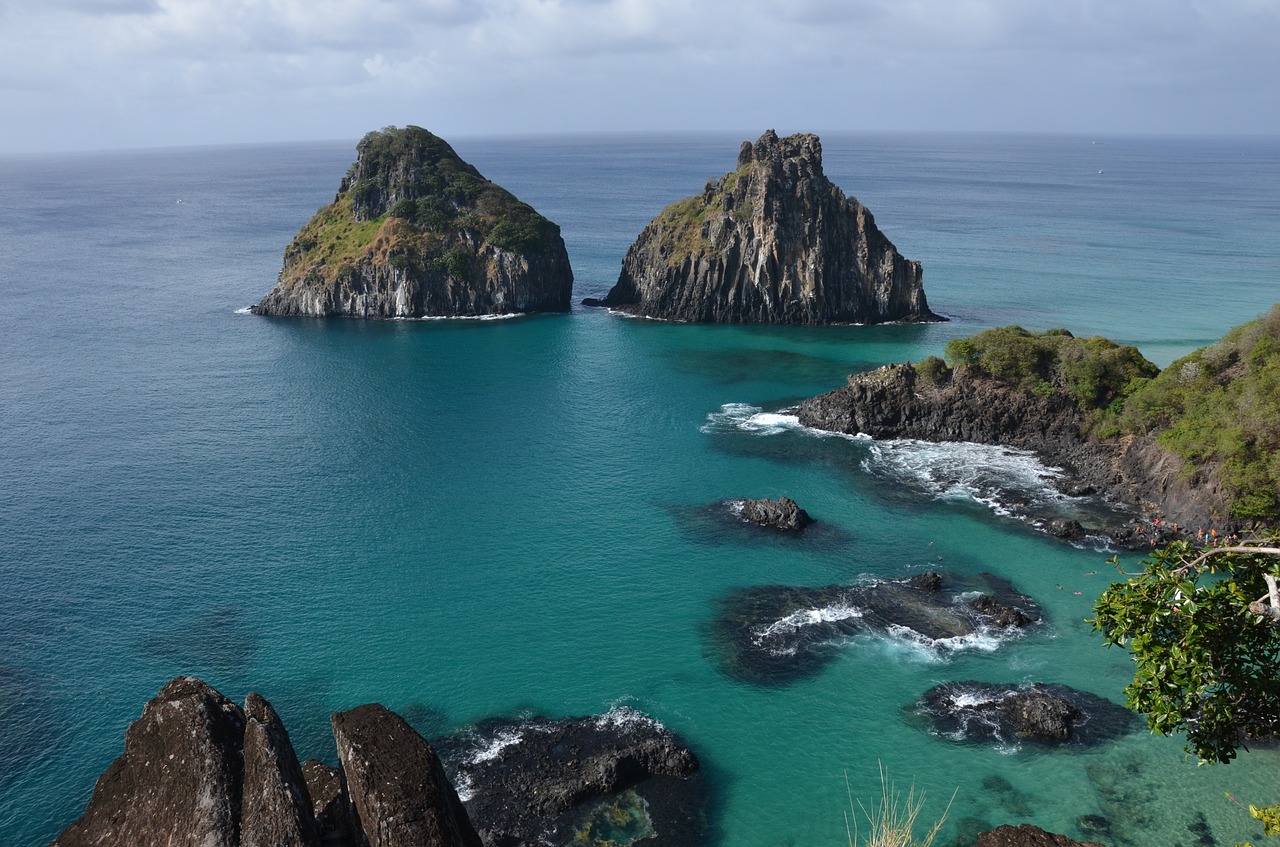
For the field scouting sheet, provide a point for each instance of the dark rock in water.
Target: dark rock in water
(539, 781)
(782, 514)
(977, 711)
(414, 232)
(1065, 528)
(772, 242)
(594, 302)
(179, 779)
(276, 807)
(775, 634)
(1005, 617)
(1026, 835)
(335, 820)
(397, 784)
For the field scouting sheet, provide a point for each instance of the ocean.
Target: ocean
(470, 519)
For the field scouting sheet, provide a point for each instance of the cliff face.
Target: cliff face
(772, 242)
(896, 402)
(415, 231)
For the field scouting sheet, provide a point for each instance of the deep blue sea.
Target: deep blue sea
(466, 519)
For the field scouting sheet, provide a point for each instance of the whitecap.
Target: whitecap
(806, 617)
(493, 747)
(625, 717)
(247, 310)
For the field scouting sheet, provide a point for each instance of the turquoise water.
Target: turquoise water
(485, 518)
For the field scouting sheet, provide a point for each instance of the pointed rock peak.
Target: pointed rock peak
(769, 148)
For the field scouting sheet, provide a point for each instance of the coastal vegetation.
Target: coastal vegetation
(1218, 409)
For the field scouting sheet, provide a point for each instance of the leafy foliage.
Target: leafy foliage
(1206, 665)
(1096, 372)
(1221, 405)
(932, 369)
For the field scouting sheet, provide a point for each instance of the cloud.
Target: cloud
(246, 66)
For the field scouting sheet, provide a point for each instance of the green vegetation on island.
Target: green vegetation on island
(1217, 408)
(411, 203)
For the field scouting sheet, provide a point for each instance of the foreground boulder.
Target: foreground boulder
(782, 514)
(397, 785)
(198, 770)
(775, 634)
(276, 807)
(178, 782)
(1050, 714)
(771, 242)
(417, 232)
(615, 778)
(1026, 835)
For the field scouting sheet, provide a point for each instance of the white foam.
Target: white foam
(807, 617)
(247, 310)
(625, 717)
(980, 473)
(494, 747)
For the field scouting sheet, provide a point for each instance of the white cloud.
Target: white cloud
(260, 68)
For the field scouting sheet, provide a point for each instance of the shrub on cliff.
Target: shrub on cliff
(1220, 406)
(1096, 372)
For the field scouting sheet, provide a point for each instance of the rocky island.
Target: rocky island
(414, 232)
(773, 241)
(1191, 447)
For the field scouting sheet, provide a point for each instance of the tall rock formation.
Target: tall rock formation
(415, 231)
(771, 242)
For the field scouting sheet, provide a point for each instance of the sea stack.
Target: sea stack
(414, 232)
(771, 242)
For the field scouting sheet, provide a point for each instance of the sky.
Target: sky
(108, 74)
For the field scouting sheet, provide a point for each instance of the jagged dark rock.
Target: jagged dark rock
(577, 775)
(276, 808)
(895, 401)
(335, 821)
(397, 784)
(1051, 714)
(178, 782)
(773, 242)
(415, 232)
(775, 634)
(782, 514)
(1026, 835)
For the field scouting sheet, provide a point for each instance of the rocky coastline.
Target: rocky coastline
(199, 770)
(773, 241)
(896, 401)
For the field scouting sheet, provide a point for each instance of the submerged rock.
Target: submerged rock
(1050, 714)
(782, 514)
(775, 634)
(417, 232)
(773, 241)
(617, 777)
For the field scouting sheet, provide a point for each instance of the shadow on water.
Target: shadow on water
(28, 729)
(215, 645)
(733, 366)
